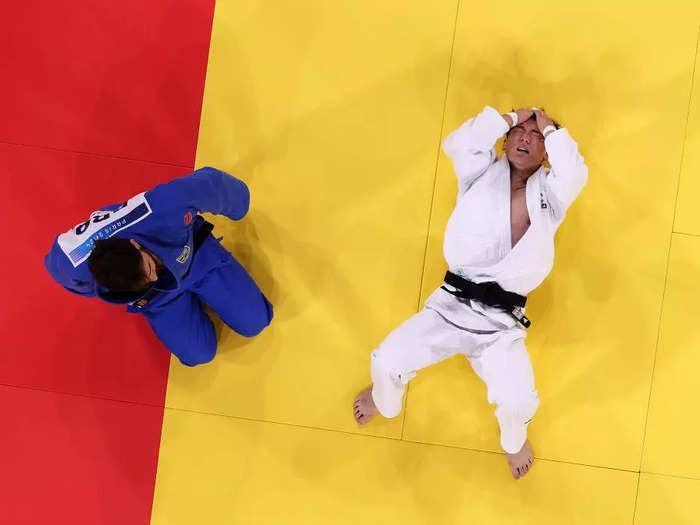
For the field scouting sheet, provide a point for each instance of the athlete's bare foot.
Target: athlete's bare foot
(521, 463)
(363, 407)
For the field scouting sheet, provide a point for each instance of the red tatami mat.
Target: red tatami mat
(115, 78)
(53, 339)
(71, 460)
(83, 410)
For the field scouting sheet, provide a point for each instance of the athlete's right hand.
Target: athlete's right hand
(523, 114)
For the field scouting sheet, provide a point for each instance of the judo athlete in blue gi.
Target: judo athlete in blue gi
(155, 254)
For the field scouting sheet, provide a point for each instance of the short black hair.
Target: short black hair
(117, 265)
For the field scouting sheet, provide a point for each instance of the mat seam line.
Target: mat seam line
(685, 133)
(675, 476)
(687, 234)
(96, 155)
(432, 198)
(194, 161)
(636, 497)
(394, 439)
(204, 83)
(668, 271)
(86, 396)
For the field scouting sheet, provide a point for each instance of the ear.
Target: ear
(135, 244)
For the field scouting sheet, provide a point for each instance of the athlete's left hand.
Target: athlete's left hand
(543, 120)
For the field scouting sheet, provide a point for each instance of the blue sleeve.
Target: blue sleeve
(77, 280)
(207, 190)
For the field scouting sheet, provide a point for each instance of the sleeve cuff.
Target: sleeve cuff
(495, 121)
(489, 127)
(556, 137)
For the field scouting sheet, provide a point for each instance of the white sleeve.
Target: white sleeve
(472, 147)
(569, 172)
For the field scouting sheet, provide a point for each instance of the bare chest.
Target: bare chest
(519, 216)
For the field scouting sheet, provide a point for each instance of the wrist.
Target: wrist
(548, 130)
(511, 118)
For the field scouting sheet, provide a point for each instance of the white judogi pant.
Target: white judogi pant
(499, 358)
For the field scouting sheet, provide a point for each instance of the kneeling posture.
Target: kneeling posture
(155, 254)
(499, 246)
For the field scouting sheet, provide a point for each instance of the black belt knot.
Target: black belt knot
(489, 293)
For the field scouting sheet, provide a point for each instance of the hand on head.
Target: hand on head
(523, 114)
(524, 142)
(543, 119)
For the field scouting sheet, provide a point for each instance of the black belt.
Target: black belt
(490, 294)
(197, 239)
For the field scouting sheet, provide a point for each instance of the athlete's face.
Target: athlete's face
(525, 145)
(149, 265)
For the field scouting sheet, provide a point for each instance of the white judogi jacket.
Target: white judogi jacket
(478, 235)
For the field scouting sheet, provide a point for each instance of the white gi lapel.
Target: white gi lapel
(504, 192)
(532, 201)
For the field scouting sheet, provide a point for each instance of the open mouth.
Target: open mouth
(523, 150)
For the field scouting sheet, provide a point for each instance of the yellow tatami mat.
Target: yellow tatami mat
(669, 500)
(673, 427)
(250, 472)
(688, 212)
(333, 114)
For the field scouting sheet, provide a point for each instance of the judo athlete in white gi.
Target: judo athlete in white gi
(501, 232)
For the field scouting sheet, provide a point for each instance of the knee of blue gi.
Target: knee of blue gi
(199, 356)
(198, 353)
(257, 320)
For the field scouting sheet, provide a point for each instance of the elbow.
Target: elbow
(448, 146)
(581, 176)
(47, 263)
(244, 201)
(53, 268)
(232, 194)
(457, 141)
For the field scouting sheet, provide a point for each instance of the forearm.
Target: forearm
(509, 119)
(77, 281)
(477, 135)
(569, 172)
(206, 190)
(471, 147)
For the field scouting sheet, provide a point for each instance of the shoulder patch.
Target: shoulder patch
(185, 254)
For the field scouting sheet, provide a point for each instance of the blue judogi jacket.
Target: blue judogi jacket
(163, 220)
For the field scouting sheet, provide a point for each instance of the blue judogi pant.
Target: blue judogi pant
(219, 281)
